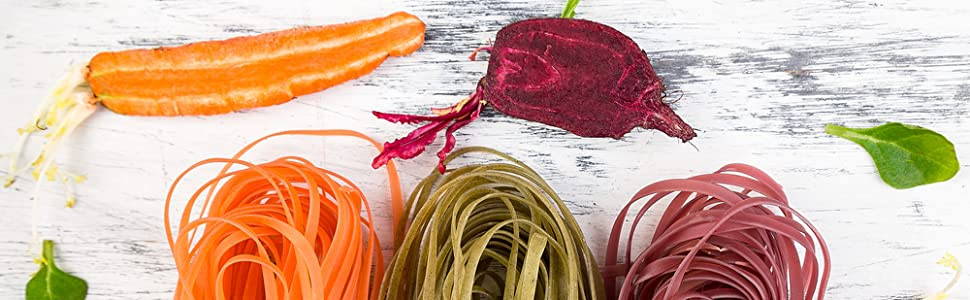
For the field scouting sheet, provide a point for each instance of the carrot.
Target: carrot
(285, 229)
(212, 77)
(223, 76)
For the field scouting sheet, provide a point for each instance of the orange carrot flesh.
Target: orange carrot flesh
(285, 229)
(247, 72)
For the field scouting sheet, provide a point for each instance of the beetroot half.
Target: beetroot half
(578, 75)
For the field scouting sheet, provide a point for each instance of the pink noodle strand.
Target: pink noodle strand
(726, 235)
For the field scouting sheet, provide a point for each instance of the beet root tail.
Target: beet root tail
(664, 119)
(448, 119)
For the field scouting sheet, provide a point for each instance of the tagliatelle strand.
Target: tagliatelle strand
(727, 235)
(490, 231)
(284, 229)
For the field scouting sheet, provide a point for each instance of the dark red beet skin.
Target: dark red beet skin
(579, 75)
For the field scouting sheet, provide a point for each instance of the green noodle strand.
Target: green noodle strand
(490, 231)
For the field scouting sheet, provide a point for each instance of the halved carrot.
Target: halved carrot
(212, 77)
(246, 72)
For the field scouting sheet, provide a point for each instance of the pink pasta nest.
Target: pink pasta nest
(726, 235)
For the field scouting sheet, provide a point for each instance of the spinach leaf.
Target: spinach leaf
(906, 155)
(51, 283)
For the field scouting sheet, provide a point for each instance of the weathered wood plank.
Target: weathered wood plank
(759, 79)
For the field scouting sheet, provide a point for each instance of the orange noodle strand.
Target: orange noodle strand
(284, 229)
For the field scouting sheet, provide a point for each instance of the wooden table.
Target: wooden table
(760, 79)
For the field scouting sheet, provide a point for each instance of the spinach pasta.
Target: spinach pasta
(490, 231)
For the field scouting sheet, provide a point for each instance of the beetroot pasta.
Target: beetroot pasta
(726, 235)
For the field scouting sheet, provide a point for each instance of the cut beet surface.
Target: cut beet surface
(578, 75)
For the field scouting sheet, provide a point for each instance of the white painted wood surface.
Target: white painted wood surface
(760, 79)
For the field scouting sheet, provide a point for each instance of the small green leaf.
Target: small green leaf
(905, 155)
(51, 283)
(569, 11)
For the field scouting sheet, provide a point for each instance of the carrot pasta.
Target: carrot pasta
(490, 231)
(726, 235)
(284, 229)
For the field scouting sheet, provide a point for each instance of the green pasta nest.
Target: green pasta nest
(487, 231)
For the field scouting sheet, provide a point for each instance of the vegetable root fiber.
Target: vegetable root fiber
(490, 231)
(285, 229)
(726, 235)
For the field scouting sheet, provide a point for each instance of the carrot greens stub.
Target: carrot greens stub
(64, 109)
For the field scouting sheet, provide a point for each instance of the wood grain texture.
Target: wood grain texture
(759, 78)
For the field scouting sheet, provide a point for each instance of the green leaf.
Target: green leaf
(569, 11)
(906, 155)
(51, 283)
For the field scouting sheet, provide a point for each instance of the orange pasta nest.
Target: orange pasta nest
(285, 229)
